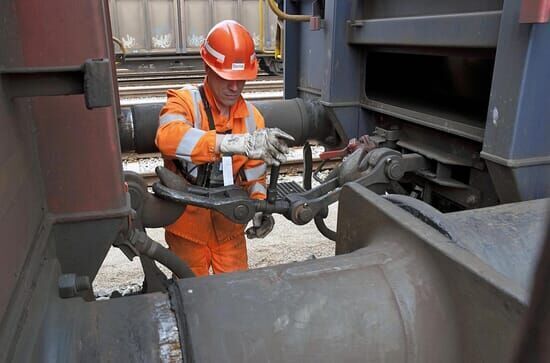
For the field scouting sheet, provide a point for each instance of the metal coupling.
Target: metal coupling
(394, 169)
(304, 214)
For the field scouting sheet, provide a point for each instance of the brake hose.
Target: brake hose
(306, 181)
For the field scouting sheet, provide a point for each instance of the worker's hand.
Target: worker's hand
(268, 145)
(262, 224)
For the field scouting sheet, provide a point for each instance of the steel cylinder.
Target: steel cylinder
(379, 304)
(303, 120)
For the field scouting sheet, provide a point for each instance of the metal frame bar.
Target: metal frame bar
(434, 122)
(475, 30)
(92, 78)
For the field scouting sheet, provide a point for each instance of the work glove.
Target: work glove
(265, 144)
(262, 224)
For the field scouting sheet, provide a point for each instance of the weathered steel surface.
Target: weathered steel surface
(303, 120)
(487, 305)
(129, 329)
(77, 148)
(22, 200)
(382, 304)
(58, 162)
(508, 237)
(534, 345)
(400, 290)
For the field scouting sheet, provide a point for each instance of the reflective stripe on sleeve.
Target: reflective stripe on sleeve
(255, 172)
(257, 188)
(188, 143)
(195, 94)
(250, 121)
(169, 117)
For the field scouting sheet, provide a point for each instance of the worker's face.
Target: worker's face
(226, 92)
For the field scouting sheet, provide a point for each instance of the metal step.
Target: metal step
(283, 189)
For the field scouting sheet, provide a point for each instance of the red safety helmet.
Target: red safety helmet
(229, 50)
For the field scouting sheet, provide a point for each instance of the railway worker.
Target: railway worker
(213, 137)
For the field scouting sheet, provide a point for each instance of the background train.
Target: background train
(149, 31)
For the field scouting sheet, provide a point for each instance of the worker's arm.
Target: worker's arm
(255, 172)
(176, 135)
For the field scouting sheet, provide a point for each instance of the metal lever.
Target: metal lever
(379, 166)
(272, 189)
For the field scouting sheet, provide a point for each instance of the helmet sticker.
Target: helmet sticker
(237, 66)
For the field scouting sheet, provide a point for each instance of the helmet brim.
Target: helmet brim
(235, 75)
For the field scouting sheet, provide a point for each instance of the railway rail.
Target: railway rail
(160, 89)
(126, 76)
(135, 86)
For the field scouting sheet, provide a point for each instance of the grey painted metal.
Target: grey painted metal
(381, 9)
(357, 307)
(292, 51)
(517, 116)
(425, 119)
(476, 30)
(487, 304)
(399, 290)
(534, 341)
(507, 237)
(470, 36)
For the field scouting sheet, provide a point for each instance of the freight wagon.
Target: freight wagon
(152, 30)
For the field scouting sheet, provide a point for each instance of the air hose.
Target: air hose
(154, 250)
(306, 181)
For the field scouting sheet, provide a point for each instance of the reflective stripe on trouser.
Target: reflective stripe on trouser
(256, 172)
(227, 256)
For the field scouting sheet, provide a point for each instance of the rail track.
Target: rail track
(136, 86)
(185, 76)
(160, 88)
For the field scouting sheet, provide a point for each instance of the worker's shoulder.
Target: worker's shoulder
(188, 92)
(252, 108)
(255, 119)
(188, 97)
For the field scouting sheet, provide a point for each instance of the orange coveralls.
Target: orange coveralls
(202, 237)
